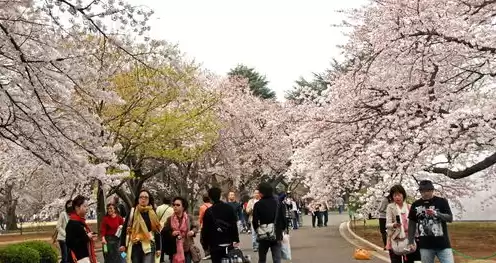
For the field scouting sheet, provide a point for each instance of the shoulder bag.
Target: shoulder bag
(267, 232)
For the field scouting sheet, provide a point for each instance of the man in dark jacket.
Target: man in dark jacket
(220, 231)
(264, 212)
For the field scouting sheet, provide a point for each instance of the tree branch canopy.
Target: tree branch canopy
(480, 166)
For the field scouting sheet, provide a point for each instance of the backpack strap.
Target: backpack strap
(160, 220)
(277, 211)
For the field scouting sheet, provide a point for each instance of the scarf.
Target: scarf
(183, 228)
(91, 244)
(139, 232)
(403, 213)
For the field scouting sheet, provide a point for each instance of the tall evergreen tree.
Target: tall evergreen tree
(257, 82)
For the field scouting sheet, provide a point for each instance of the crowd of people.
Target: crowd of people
(417, 231)
(150, 234)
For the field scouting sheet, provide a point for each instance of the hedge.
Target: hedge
(19, 254)
(29, 252)
(47, 253)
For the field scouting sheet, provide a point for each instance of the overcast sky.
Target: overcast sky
(282, 39)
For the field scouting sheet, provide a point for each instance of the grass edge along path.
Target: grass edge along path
(472, 242)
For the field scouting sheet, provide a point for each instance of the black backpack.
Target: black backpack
(221, 226)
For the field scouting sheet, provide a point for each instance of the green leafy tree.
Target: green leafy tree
(165, 117)
(256, 81)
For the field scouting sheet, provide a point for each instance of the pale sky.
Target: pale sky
(281, 39)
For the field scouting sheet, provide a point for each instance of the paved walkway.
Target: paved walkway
(313, 245)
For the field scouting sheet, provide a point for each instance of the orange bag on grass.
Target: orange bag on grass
(362, 254)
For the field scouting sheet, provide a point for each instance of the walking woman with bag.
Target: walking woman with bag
(181, 229)
(141, 240)
(111, 225)
(397, 228)
(60, 235)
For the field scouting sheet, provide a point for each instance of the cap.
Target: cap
(426, 185)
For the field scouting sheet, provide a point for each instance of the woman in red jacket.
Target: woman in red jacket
(110, 224)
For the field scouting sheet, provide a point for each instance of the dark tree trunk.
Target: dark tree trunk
(11, 220)
(10, 205)
(100, 205)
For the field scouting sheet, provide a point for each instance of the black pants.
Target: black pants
(410, 258)
(382, 229)
(263, 249)
(317, 216)
(218, 253)
(113, 255)
(325, 216)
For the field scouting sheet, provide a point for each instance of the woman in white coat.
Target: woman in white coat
(61, 223)
(397, 225)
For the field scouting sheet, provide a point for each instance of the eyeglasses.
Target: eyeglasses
(143, 197)
(176, 204)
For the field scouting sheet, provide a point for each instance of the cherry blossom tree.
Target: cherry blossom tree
(253, 145)
(39, 75)
(417, 99)
(55, 65)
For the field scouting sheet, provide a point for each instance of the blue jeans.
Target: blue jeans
(63, 252)
(254, 242)
(138, 256)
(239, 224)
(444, 255)
(295, 219)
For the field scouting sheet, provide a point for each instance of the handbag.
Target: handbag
(362, 254)
(56, 232)
(400, 246)
(54, 236)
(267, 232)
(195, 253)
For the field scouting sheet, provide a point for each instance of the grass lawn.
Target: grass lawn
(474, 239)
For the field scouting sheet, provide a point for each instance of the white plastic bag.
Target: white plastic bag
(285, 247)
(84, 260)
(119, 231)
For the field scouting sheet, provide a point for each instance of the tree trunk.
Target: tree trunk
(100, 205)
(11, 216)
(10, 204)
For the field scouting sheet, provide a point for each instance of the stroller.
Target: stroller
(235, 255)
